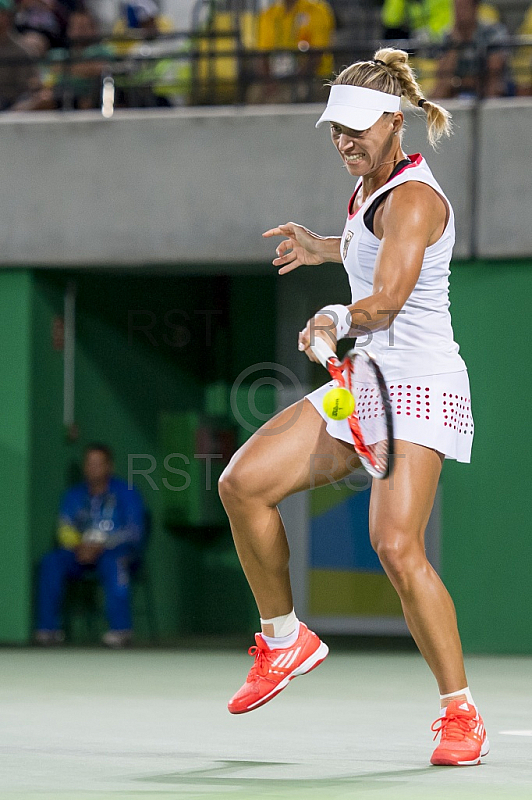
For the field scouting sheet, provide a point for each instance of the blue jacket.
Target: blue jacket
(118, 514)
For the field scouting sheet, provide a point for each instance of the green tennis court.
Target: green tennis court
(95, 725)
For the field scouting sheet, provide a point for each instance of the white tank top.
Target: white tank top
(420, 340)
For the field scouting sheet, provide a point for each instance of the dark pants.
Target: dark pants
(112, 568)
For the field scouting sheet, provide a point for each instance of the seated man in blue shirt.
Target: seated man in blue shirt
(101, 527)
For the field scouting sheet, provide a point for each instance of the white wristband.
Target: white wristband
(341, 318)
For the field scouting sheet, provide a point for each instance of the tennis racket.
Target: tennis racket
(371, 422)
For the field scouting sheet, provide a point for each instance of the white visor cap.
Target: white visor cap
(356, 107)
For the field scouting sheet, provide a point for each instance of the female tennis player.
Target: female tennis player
(396, 248)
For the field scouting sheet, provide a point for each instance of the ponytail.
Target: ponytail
(390, 72)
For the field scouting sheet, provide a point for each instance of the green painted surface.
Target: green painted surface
(327, 497)
(343, 592)
(16, 295)
(487, 542)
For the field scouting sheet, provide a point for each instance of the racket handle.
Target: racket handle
(322, 351)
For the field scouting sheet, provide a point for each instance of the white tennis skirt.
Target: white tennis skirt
(431, 410)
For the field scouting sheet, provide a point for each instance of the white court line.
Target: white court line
(516, 733)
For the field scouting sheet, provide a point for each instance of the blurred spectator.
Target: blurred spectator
(474, 60)
(150, 81)
(101, 528)
(78, 84)
(19, 79)
(296, 26)
(522, 61)
(36, 44)
(425, 21)
(161, 75)
(46, 17)
(139, 20)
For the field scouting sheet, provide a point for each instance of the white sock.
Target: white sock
(285, 630)
(466, 692)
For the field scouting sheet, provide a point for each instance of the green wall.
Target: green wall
(53, 458)
(15, 454)
(487, 541)
(125, 379)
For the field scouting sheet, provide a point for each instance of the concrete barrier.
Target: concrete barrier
(196, 187)
(505, 178)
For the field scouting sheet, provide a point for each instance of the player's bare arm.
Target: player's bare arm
(412, 218)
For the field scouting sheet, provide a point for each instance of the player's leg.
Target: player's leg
(56, 567)
(399, 511)
(290, 453)
(113, 571)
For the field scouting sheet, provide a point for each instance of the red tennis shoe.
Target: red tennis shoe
(463, 736)
(274, 669)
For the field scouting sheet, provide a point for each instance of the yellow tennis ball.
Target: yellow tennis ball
(338, 403)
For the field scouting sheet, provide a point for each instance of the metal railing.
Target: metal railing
(215, 68)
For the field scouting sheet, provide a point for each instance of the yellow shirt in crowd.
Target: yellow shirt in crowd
(522, 60)
(308, 21)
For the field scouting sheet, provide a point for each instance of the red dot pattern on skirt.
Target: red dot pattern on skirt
(415, 401)
(369, 404)
(411, 400)
(457, 413)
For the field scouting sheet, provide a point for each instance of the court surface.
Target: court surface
(95, 725)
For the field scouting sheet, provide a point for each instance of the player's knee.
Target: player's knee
(244, 480)
(232, 485)
(397, 554)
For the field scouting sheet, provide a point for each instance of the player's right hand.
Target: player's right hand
(301, 248)
(320, 326)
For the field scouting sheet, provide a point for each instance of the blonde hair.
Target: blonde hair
(394, 75)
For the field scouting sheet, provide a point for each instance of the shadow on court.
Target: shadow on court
(228, 779)
(224, 773)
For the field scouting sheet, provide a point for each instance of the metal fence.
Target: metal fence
(216, 67)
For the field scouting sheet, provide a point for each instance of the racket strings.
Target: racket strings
(371, 414)
(369, 420)
(341, 373)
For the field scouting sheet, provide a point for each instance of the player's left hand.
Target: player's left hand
(319, 326)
